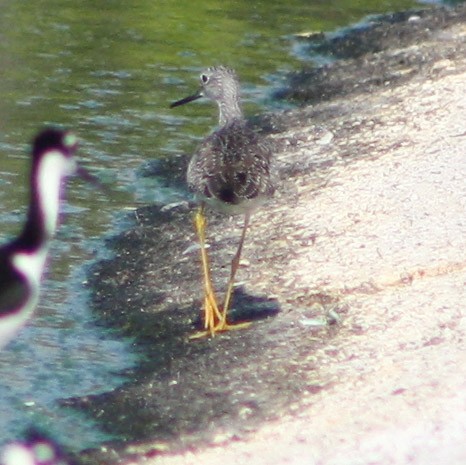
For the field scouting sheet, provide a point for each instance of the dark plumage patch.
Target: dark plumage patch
(241, 177)
(207, 192)
(227, 195)
(14, 290)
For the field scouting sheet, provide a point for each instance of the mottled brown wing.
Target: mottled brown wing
(232, 164)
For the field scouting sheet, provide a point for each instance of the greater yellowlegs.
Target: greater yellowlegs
(22, 261)
(231, 172)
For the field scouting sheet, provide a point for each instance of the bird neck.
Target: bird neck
(46, 179)
(229, 109)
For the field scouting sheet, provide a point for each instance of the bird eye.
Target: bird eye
(70, 139)
(204, 78)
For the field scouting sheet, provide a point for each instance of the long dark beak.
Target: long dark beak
(191, 98)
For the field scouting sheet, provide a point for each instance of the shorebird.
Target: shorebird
(230, 172)
(22, 261)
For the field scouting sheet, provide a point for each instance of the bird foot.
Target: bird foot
(220, 327)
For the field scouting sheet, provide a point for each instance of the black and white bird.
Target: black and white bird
(36, 449)
(22, 261)
(230, 172)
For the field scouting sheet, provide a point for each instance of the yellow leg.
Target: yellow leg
(215, 320)
(223, 325)
(212, 314)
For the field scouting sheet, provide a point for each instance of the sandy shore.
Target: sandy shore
(355, 272)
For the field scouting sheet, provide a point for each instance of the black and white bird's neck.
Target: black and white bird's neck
(23, 260)
(52, 161)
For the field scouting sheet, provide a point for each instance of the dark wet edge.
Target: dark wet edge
(185, 394)
(372, 56)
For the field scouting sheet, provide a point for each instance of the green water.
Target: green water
(109, 69)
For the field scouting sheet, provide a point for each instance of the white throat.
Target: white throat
(51, 170)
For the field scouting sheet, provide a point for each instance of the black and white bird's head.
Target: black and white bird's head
(36, 449)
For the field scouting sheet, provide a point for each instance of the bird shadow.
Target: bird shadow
(169, 368)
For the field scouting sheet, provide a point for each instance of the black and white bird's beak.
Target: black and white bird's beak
(85, 175)
(71, 142)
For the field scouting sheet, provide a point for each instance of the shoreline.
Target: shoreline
(340, 272)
